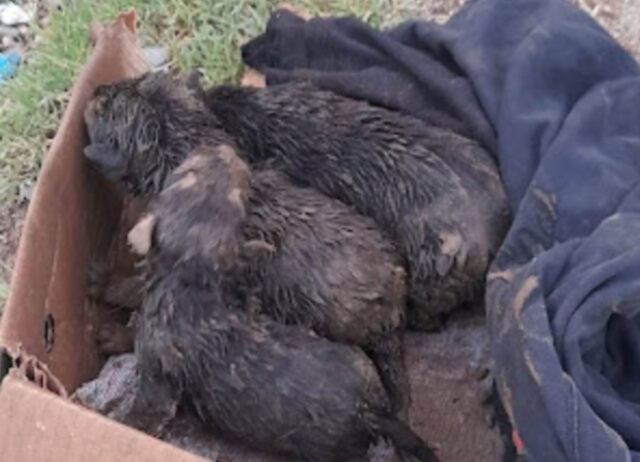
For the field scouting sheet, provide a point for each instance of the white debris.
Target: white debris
(156, 56)
(12, 15)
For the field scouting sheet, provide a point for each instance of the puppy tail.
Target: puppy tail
(405, 440)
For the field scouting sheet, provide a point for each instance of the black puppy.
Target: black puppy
(437, 195)
(309, 260)
(314, 262)
(274, 387)
(141, 129)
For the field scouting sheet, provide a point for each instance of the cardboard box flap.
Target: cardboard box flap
(39, 426)
(71, 219)
(29, 368)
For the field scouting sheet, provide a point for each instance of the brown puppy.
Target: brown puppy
(309, 260)
(277, 388)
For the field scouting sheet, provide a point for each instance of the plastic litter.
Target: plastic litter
(8, 65)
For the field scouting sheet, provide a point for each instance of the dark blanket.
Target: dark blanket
(557, 101)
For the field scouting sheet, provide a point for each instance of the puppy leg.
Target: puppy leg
(387, 353)
(126, 292)
(155, 404)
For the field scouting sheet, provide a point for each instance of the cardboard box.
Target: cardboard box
(47, 346)
(47, 332)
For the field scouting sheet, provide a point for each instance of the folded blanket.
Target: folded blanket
(557, 101)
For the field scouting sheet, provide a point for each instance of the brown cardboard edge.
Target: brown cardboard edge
(71, 218)
(40, 426)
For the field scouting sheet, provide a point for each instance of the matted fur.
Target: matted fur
(274, 387)
(437, 194)
(310, 260)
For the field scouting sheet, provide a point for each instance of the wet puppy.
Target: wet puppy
(312, 261)
(308, 260)
(437, 195)
(274, 387)
(141, 129)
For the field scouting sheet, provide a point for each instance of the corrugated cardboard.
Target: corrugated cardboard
(47, 333)
(38, 426)
(48, 326)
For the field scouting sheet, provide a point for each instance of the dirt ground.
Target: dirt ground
(11, 220)
(620, 17)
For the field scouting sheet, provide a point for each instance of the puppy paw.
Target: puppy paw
(113, 338)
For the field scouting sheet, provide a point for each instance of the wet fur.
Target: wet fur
(314, 262)
(141, 129)
(320, 264)
(437, 195)
(278, 388)
(309, 260)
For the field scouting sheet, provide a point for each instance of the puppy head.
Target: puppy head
(140, 129)
(201, 211)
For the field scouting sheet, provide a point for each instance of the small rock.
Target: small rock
(12, 15)
(52, 4)
(7, 31)
(382, 451)
(7, 42)
(25, 192)
(44, 10)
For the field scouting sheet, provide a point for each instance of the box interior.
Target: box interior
(48, 327)
(72, 219)
(47, 345)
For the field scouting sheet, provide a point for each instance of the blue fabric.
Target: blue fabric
(557, 101)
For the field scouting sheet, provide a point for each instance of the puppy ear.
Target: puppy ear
(152, 83)
(141, 235)
(108, 161)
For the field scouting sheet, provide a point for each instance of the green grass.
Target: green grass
(4, 284)
(203, 34)
(4, 292)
